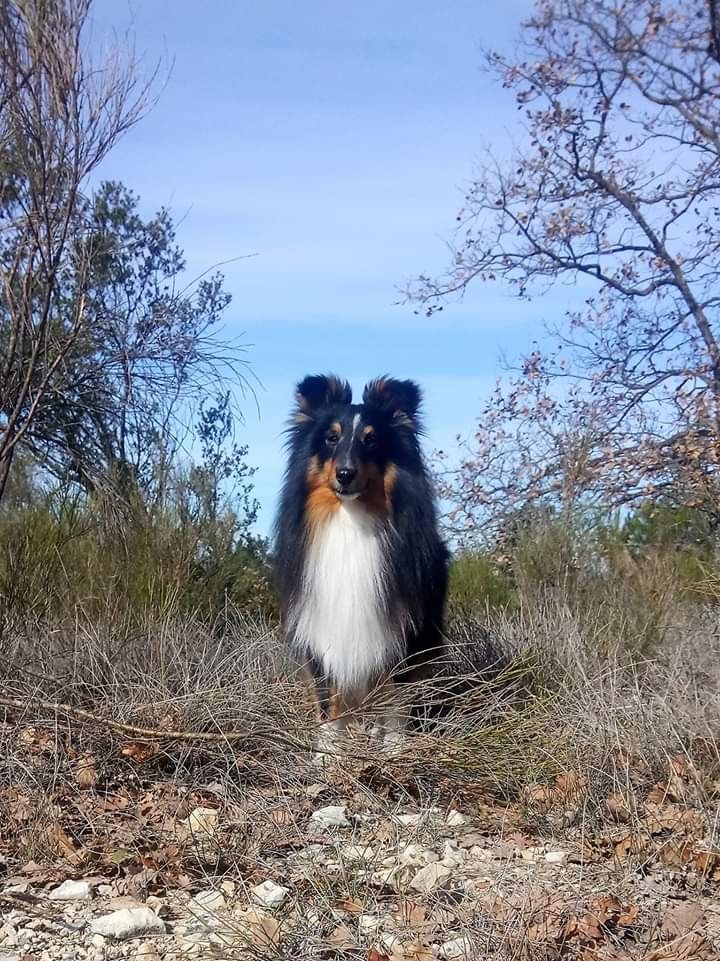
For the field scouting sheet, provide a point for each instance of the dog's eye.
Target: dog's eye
(332, 439)
(369, 440)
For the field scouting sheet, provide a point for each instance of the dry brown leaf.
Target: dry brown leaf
(351, 905)
(281, 816)
(262, 929)
(410, 912)
(693, 946)
(628, 915)
(606, 909)
(413, 951)
(86, 772)
(630, 844)
(707, 863)
(570, 786)
(682, 918)
(375, 955)
(140, 751)
(673, 817)
(620, 807)
(677, 852)
(538, 796)
(39, 740)
(60, 843)
(342, 937)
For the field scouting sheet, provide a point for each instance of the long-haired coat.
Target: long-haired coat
(360, 566)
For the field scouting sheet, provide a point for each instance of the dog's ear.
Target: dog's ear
(400, 399)
(318, 391)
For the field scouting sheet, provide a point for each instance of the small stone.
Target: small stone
(128, 923)
(453, 856)
(533, 853)
(200, 825)
(556, 857)
(480, 854)
(206, 904)
(392, 943)
(71, 891)
(357, 852)
(147, 952)
(409, 820)
(413, 855)
(455, 819)
(334, 815)
(430, 877)
(368, 923)
(455, 949)
(269, 894)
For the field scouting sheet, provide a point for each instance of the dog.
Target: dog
(360, 566)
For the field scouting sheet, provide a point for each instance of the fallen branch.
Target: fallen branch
(151, 733)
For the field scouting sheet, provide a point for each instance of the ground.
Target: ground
(364, 859)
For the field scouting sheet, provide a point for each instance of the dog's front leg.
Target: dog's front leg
(332, 719)
(391, 724)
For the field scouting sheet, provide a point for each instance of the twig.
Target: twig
(150, 733)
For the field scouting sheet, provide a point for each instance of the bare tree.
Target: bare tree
(60, 114)
(616, 189)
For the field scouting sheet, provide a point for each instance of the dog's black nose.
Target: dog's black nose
(345, 475)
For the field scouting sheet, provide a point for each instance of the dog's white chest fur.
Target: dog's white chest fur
(341, 619)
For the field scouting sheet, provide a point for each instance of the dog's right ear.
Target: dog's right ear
(319, 391)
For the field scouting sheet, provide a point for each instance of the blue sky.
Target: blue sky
(333, 141)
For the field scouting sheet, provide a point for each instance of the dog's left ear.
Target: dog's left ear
(318, 391)
(399, 398)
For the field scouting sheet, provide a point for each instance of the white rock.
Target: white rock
(457, 948)
(453, 855)
(269, 894)
(201, 823)
(334, 815)
(409, 820)
(534, 853)
(430, 877)
(414, 855)
(357, 852)
(556, 857)
(455, 819)
(71, 891)
(206, 905)
(380, 879)
(392, 943)
(128, 923)
(480, 854)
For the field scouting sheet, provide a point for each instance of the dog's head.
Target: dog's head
(353, 447)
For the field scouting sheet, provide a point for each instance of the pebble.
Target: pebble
(71, 891)
(455, 819)
(207, 902)
(556, 857)
(333, 815)
(409, 820)
(368, 923)
(200, 824)
(430, 877)
(128, 923)
(455, 949)
(413, 855)
(269, 894)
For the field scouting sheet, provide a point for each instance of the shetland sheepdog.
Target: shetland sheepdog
(360, 566)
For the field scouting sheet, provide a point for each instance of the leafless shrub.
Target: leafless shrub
(61, 113)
